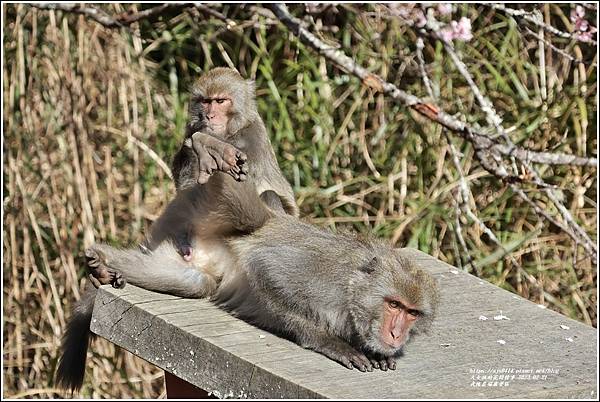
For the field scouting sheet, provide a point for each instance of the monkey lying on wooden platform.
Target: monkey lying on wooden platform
(355, 300)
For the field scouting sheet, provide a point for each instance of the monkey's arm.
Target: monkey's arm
(310, 336)
(203, 154)
(217, 155)
(185, 168)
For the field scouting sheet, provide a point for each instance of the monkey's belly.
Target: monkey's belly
(212, 257)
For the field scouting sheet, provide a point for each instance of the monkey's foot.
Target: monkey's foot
(100, 272)
(216, 155)
(230, 160)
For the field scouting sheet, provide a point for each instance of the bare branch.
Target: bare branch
(537, 21)
(577, 233)
(488, 149)
(555, 48)
(430, 111)
(90, 12)
(130, 18)
(121, 21)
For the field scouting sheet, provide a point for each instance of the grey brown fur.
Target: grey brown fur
(323, 290)
(246, 131)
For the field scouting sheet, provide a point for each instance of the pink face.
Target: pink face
(398, 317)
(217, 110)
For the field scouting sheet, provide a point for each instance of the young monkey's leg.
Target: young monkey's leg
(217, 155)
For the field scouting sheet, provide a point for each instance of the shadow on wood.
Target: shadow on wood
(180, 389)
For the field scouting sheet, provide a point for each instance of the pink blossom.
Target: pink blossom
(444, 8)
(586, 36)
(420, 19)
(460, 30)
(582, 28)
(577, 13)
(463, 29)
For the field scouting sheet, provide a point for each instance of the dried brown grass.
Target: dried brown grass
(77, 103)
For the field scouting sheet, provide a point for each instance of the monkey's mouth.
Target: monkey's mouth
(392, 343)
(217, 127)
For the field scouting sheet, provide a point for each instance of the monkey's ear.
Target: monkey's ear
(370, 266)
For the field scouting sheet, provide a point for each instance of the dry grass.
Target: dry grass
(89, 113)
(78, 105)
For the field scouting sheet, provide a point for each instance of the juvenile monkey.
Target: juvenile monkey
(224, 134)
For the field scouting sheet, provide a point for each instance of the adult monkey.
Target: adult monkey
(355, 300)
(224, 133)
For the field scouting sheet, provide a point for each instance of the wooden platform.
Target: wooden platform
(532, 352)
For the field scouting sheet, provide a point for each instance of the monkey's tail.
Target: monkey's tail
(75, 342)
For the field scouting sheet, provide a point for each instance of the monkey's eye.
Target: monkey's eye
(219, 101)
(394, 304)
(414, 313)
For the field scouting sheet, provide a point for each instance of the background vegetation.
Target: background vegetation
(92, 116)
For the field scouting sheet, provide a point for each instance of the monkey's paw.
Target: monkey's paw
(356, 359)
(231, 160)
(383, 363)
(100, 272)
(217, 155)
(347, 356)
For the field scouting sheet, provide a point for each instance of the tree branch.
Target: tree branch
(530, 18)
(121, 21)
(489, 150)
(90, 12)
(430, 111)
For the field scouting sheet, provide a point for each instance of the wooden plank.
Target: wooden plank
(214, 351)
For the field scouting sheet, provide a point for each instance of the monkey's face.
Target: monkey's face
(398, 317)
(217, 109)
(396, 299)
(222, 102)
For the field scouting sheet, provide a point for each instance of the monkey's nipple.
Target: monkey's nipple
(186, 253)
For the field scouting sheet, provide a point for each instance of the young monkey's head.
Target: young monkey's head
(222, 103)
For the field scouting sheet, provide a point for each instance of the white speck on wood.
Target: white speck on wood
(500, 317)
(565, 327)
(482, 318)
(501, 341)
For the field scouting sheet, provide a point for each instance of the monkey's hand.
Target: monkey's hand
(382, 362)
(100, 272)
(343, 353)
(216, 155)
